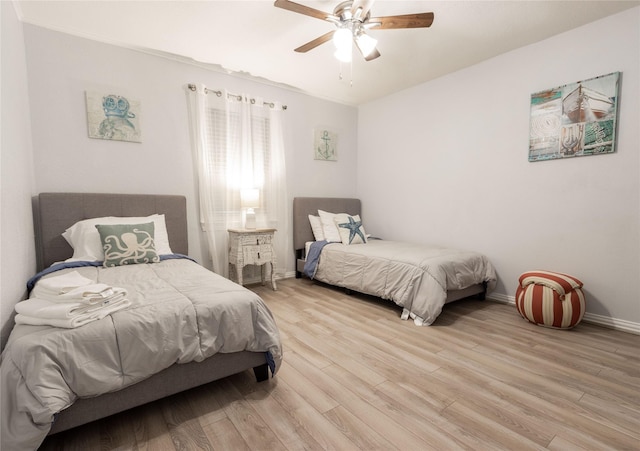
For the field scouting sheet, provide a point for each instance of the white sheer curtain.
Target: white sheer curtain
(238, 144)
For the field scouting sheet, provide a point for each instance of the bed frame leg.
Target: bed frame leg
(299, 256)
(483, 296)
(261, 372)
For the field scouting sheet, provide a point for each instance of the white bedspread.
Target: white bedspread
(180, 312)
(414, 276)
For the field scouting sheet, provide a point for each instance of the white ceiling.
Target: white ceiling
(257, 39)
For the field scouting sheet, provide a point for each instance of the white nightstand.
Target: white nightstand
(252, 247)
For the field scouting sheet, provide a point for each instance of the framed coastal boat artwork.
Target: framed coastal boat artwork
(113, 117)
(575, 120)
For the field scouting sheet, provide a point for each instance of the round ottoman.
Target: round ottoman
(550, 299)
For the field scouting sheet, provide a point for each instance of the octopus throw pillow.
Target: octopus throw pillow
(128, 244)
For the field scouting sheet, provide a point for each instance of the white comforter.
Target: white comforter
(414, 276)
(180, 313)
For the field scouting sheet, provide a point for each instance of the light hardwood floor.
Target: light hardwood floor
(355, 376)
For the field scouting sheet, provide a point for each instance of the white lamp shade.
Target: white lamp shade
(342, 38)
(366, 44)
(250, 198)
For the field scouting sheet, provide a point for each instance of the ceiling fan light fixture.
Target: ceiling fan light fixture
(342, 39)
(366, 44)
(344, 54)
(352, 19)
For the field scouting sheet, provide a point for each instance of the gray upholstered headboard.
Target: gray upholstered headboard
(305, 206)
(55, 212)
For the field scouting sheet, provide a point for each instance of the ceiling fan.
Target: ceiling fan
(352, 19)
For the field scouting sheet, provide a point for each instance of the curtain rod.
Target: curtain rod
(238, 97)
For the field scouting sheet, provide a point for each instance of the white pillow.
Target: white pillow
(350, 229)
(316, 227)
(85, 239)
(329, 227)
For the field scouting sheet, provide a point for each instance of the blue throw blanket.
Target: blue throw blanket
(311, 263)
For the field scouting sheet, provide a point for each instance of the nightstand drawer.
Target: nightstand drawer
(248, 240)
(257, 255)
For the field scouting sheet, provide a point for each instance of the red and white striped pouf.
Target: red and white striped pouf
(550, 299)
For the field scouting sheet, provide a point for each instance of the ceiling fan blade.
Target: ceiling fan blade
(420, 20)
(316, 42)
(302, 9)
(360, 8)
(373, 55)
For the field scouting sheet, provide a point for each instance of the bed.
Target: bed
(200, 339)
(419, 278)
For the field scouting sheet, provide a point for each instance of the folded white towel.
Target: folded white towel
(42, 308)
(90, 293)
(93, 293)
(75, 321)
(69, 323)
(61, 284)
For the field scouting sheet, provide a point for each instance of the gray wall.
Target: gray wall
(446, 162)
(17, 253)
(62, 67)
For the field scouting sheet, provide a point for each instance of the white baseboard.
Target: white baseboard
(502, 298)
(592, 318)
(612, 323)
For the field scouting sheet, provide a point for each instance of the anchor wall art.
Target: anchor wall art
(114, 117)
(575, 120)
(325, 145)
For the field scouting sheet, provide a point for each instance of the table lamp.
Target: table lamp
(250, 199)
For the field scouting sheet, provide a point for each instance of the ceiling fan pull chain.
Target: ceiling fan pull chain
(351, 75)
(341, 77)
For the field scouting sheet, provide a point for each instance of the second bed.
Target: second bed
(418, 277)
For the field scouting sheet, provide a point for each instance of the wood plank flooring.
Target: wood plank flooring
(355, 376)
